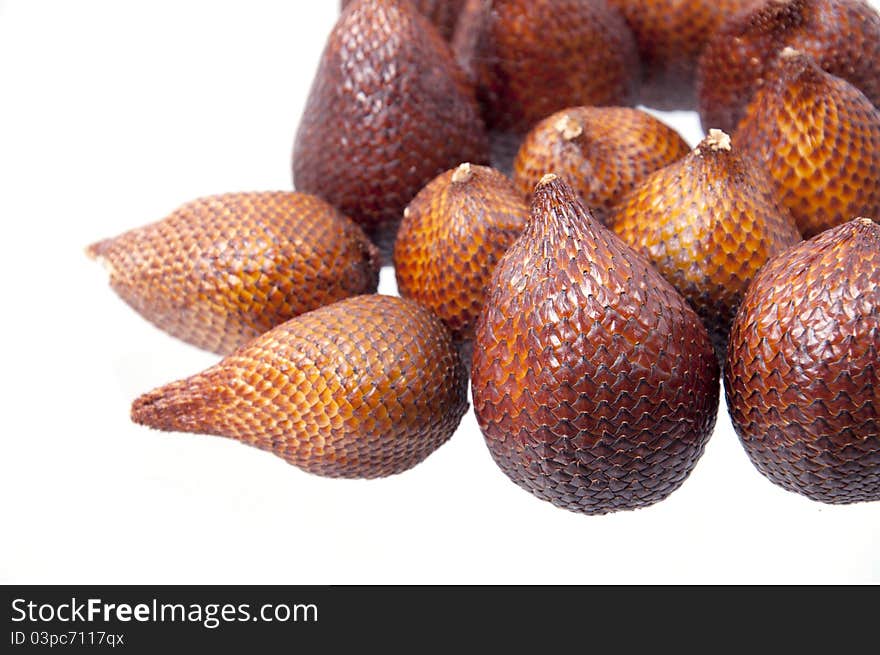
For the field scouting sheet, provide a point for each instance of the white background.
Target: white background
(111, 115)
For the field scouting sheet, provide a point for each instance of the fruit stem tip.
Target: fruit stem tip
(463, 173)
(717, 140)
(568, 127)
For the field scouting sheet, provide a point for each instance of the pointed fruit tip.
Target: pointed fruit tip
(171, 408)
(790, 53)
(546, 180)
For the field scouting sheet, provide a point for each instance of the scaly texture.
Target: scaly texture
(803, 372)
(708, 223)
(453, 234)
(843, 36)
(388, 111)
(222, 270)
(531, 58)
(594, 382)
(671, 34)
(603, 152)
(363, 388)
(819, 138)
(443, 13)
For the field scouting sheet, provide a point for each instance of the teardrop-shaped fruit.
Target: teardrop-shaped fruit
(819, 138)
(708, 223)
(223, 269)
(531, 58)
(453, 234)
(443, 13)
(603, 152)
(843, 36)
(803, 370)
(388, 111)
(593, 380)
(671, 34)
(364, 388)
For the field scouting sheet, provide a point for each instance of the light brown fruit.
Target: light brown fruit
(803, 371)
(388, 111)
(819, 139)
(593, 380)
(603, 152)
(708, 223)
(442, 13)
(671, 34)
(531, 58)
(452, 236)
(222, 270)
(843, 36)
(364, 388)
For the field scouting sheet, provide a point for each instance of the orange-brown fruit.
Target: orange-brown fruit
(819, 138)
(603, 152)
(594, 382)
(708, 223)
(443, 13)
(803, 370)
(453, 234)
(388, 111)
(223, 269)
(531, 58)
(671, 34)
(364, 388)
(843, 36)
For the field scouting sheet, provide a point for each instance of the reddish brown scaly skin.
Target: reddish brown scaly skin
(843, 36)
(803, 371)
(223, 269)
(819, 138)
(603, 152)
(671, 34)
(388, 111)
(594, 382)
(531, 58)
(364, 388)
(453, 234)
(443, 13)
(708, 223)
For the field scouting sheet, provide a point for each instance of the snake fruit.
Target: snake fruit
(223, 269)
(364, 388)
(594, 382)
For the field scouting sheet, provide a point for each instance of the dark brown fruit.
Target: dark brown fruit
(819, 138)
(603, 152)
(388, 111)
(803, 371)
(222, 270)
(708, 223)
(843, 36)
(531, 58)
(453, 234)
(593, 381)
(443, 13)
(671, 34)
(363, 388)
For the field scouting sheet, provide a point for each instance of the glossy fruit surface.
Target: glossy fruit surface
(363, 388)
(453, 234)
(531, 58)
(223, 269)
(671, 34)
(388, 111)
(602, 152)
(594, 382)
(443, 13)
(843, 36)
(803, 371)
(708, 223)
(819, 139)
